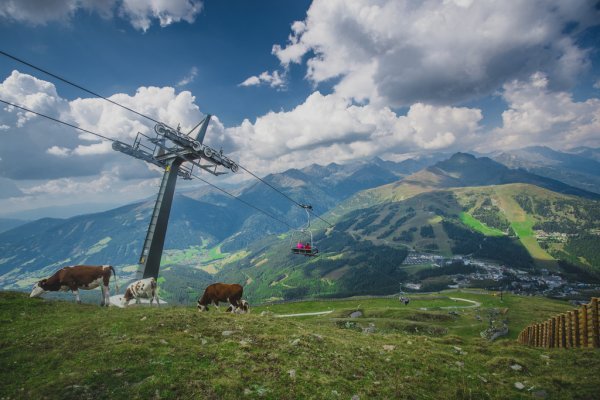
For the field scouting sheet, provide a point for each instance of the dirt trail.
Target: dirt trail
(474, 303)
(302, 314)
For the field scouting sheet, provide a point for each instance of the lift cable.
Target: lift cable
(113, 140)
(284, 195)
(151, 119)
(243, 201)
(78, 86)
(57, 120)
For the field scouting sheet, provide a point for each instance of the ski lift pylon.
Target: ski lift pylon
(304, 237)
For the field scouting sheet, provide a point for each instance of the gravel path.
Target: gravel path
(303, 314)
(474, 303)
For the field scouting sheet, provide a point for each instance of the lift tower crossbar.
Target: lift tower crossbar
(178, 154)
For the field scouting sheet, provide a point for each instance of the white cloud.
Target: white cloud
(537, 115)
(295, 49)
(162, 104)
(4, 127)
(55, 151)
(103, 147)
(59, 151)
(597, 84)
(39, 12)
(188, 78)
(323, 129)
(252, 81)
(329, 128)
(30, 92)
(67, 186)
(440, 127)
(399, 52)
(273, 79)
(140, 13)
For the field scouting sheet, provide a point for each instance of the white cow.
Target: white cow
(142, 289)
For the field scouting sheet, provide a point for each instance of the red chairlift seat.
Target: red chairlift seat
(306, 252)
(304, 235)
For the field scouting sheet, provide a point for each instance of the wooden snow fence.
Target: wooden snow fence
(577, 328)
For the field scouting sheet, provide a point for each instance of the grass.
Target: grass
(474, 223)
(96, 248)
(524, 230)
(60, 350)
(414, 268)
(191, 255)
(215, 254)
(521, 223)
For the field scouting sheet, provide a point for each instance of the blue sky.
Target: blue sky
(228, 42)
(289, 83)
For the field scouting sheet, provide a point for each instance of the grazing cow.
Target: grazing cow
(242, 309)
(78, 277)
(142, 289)
(221, 292)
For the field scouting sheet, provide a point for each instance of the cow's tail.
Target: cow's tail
(116, 282)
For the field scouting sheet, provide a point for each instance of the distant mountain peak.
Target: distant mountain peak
(467, 165)
(578, 169)
(539, 147)
(464, 169)
(462, 157)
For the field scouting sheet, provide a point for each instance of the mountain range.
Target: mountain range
(380, 210)
(7, 224)
(520, 219)
(199, 219)
(579, 167)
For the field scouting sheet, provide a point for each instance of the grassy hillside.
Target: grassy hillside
(519, 225)
(58, 350)
(549, 225)
(479, 226)
(345, 266)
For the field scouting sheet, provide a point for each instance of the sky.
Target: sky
(289, 83)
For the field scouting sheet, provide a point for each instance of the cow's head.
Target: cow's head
(202, 308)
(39, 288)
(244, 306)
(127, 296)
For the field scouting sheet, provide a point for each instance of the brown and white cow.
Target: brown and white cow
(78, 277)
(224, 292)
(142, 289)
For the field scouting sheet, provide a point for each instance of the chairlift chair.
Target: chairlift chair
(303, 235)
(403, 298)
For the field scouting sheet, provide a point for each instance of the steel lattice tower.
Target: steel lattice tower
(184, 149)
